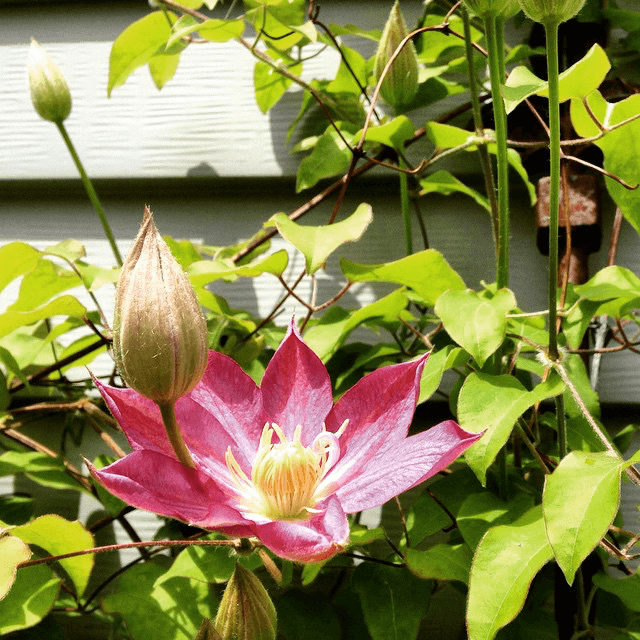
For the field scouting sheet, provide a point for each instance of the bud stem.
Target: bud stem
(93, 196)
(170, 421)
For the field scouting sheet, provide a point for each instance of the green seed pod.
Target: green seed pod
(159, 335)
(400, 84)
(496, 8)
(246, 611)
(551, 11)
(49, 90)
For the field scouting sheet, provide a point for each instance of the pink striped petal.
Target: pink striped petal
(308, 540)
(296, 389)
(160, 484)
(405, 465)
(380, 409)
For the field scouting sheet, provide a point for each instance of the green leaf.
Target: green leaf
(12, 552)
(475, 322)
(445, 183)
(621, 146)
(330, 157)
(312, 612)
(163, 67)
(269, 85)
(207, 564)
(579, 502)
(481, 511)
(30, 599)
(426, 272)
(42, 283)
(135, 46)
(62, 306)
(58, 536)
(205, 271)
(393, 601)
(172, 610)
(506, 561)
(393, 134)
(616, 288)
(442, 562)
(318, 243)
(16, 259)
(494, 403)
(439, 362)
(41, 468)
(627, 589)
(578, 81)
(221, 30)
(446, 136)
(326, 336)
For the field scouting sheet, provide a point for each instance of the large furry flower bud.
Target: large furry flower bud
(400, 84)
(246, 611)
(159, 334)
(554, 11)
(49, 89)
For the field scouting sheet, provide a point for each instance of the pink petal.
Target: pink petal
(160, 484)
(308, 541)
(296, 389)
(405, 465)
(380, 409)
(139, 418)
(224, 409)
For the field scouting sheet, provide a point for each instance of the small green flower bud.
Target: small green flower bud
(246, 611)
(496, 8)
(400, 84)
(551, 11)
(159, 334)
(49, 90)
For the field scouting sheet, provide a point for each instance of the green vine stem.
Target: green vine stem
(91, 192)
(170, 421)
(551, 32)
(483, 152)
(405, 207)
(495, 45)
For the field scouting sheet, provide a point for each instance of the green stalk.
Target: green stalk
(495, 46)
(171, 426)
(551, 32)
(93, 196)
(483, 152)
(406, 212)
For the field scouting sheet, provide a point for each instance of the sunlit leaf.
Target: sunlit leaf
(207, 564)
(477, 323)
(135, 46)
(318, 243)
(506, 561)
(445, 183)
(269, 85)
(16, 259)
(205, 271)
(441, 562)
(12, 552)
(330, 157)
(577, 81)
(426, 272)
(438, 362)
(62, 306)
(172, 610)
(31, 598)
(579, 502)
(58, 536)
(493, 403)
(393, 133)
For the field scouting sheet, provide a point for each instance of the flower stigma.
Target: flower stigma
(286, 476)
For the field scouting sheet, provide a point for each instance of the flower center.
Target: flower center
(286, 476)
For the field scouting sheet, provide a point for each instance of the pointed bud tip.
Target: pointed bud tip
(50, 93)
(160, 338)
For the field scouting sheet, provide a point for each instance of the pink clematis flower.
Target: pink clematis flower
(280, 462)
